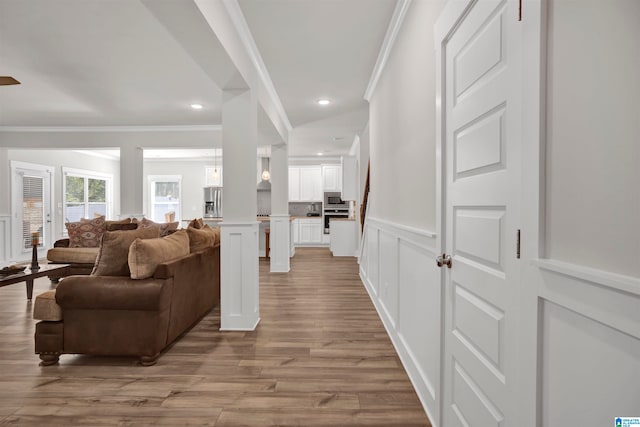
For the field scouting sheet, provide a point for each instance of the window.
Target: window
(86, 194)
(164, 197)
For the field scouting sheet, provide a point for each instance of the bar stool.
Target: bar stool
(267, 232)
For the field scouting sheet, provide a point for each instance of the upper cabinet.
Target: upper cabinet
(332, 178)
(349, 178)
(305, 184)
(294, 184)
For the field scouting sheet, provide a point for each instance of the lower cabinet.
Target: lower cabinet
(307, 231)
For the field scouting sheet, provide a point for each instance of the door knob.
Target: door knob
(444, 259)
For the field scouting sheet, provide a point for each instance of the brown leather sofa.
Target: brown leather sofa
(80, 260)
(117, 315)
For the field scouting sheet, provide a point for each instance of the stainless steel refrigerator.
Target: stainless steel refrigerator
(212, 202)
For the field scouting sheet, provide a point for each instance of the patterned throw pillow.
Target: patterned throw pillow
(164, 227)
(85, 233)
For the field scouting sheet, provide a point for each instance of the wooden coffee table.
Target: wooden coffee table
(29, 276)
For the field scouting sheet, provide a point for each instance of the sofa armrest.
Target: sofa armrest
(113, 293)
(61, 243)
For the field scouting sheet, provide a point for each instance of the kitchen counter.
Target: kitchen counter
(258, 218)
(344, 237)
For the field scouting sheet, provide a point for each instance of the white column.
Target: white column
(131, 181)
(280, 226)
(239, 299)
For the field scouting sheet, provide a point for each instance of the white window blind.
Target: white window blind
(32, 208)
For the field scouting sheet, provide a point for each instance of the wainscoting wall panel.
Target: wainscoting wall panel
(5, 239)
(398, 268)
(589, 345)
(239, 282)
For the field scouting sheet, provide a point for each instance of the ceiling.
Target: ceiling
(114, 63)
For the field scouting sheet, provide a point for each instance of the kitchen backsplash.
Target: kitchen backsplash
(264, 203)
(302, 208)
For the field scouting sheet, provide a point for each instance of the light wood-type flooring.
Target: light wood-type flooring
(319, 357)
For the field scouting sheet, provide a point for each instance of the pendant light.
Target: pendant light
(266, 175)
(216, 173)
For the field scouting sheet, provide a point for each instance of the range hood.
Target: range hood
(265, 184)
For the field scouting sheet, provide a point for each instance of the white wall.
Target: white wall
(593, 150)
(402, 125)
(193, 182)
(397, 264)
(66, 158)
(589, 285)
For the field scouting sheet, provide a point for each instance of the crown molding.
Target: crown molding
(240, 24)
(186, 128)
(387, 45)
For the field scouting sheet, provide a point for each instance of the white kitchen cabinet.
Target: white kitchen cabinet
(309, 231)
(332, 178)
(311, 183)
(326, 238)
(349, 178)
(295, 230)
(305, 184)
(294, 184)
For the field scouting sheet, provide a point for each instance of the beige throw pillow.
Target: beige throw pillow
(146, 255)
(113, 258)
(164, 227)
(203, 238)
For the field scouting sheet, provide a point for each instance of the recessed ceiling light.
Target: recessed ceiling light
(320, 154)
(323, 102)
(196, 106)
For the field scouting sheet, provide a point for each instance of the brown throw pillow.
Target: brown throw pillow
(146, 255)
(196, 223)
(203, 238)
(85, 233)
(164, 227)
(113, 258)
(121, 224)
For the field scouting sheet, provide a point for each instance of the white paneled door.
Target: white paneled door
(31, 207)
(481, 123)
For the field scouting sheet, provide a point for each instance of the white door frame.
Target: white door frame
(534, 20)
(46, 171)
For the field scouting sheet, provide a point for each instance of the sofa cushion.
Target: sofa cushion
(46, 308)
(203, 238)
(146, 255)
(113, 258)
(85, 233)
(72, 255)
(163, 227)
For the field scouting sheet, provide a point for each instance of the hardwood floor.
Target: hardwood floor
(320, 357)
